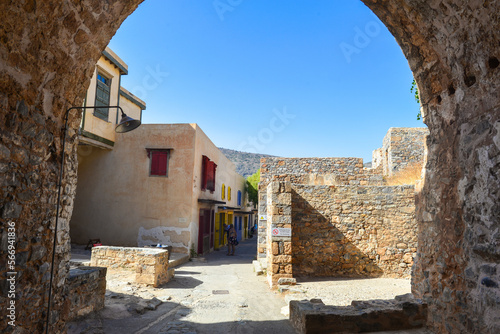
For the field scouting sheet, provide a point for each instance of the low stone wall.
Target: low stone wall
(340, 231)
(402, 313)
(87, 289)
(149, 264)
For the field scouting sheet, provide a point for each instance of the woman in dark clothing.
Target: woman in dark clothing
(232, 241)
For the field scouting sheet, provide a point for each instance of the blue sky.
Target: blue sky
(295, 78)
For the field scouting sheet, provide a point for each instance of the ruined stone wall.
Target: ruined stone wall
(317, 171)
(402, 147)
(353, 230)
(87, 290)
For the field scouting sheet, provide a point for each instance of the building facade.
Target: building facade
(161, 184)
(97, 128)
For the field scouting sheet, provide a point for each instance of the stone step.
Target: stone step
(400, 314)
(176, 259)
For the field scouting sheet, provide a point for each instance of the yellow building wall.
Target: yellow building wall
(95, 125)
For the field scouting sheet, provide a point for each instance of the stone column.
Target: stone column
(279, 216)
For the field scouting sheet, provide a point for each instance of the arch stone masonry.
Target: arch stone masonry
(48, 50)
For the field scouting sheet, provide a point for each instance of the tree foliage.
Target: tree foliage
(253, 187)
(414, 90)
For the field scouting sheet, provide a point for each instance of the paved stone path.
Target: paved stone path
(218, 294)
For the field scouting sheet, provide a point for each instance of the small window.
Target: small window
(239, 197)
(102, 96)
(158, 165)
(228, 193)
(208, 169)
(223, 190)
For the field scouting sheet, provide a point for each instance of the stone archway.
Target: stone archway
(48, 51)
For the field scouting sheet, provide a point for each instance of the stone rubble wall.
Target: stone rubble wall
(316, 171)
(402, 147)
(340, 231)
(353, 230)
(87, 289)
(149, 264)
(279, 258)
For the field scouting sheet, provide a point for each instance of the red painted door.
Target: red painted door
(204, 231)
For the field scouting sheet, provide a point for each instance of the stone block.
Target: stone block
(275, 248)
(287, 281)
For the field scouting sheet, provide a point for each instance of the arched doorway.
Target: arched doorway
(48, 51)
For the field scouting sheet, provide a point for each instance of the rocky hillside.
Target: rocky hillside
(246, 163)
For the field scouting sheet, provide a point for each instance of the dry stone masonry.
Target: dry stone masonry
(48, 50)
(150, 264)
(402, 148)
(344, 220)
(87, 290)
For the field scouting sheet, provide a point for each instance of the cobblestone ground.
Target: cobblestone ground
(219, 294)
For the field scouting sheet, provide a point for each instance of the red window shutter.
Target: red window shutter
(204, 172)
(154, 163)
(162, 163)
(159, 163)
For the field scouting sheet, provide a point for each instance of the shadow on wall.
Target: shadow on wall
(321, 249)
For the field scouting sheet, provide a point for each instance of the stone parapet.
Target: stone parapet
(149, 264)
(87, 289)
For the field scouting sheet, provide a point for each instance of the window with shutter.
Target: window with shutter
(102, 96)
(204, 172)
(208, 174)
(158, 162)
(239, 197)
(228, 193)
(223, 191)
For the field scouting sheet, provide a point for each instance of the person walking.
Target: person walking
(232, 241)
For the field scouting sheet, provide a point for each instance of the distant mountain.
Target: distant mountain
(246, 163)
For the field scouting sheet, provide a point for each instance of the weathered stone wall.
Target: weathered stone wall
(48, 50)
(402, 147)
(87, 290)
(150, 264)
(279, 257)
(353, 230)
(318, 171)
